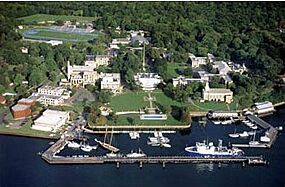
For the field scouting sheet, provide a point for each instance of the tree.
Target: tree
(188, 72)
(104, 96)
(101, 120)
(166, 109)
(18, 79)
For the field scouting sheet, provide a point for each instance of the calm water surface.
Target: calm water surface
(21, 166)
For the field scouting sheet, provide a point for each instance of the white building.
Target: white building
(148, 81)
(111, 81)
(263, 107)
(48, 95)
(197, 61)
(223, 67)
(51, 120)
(79, 76)
(119, 41)
(217, 94)
(99, 60)
(185, 81)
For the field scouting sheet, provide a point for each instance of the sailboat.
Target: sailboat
(107, 145)
(234, 135)
(253, 142)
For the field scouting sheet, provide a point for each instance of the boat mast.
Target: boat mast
(105, 135)
(111, 137)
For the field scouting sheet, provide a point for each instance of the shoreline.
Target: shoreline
(28, 135)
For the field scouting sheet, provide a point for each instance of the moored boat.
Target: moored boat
(136, 155)
(243, 134)
(86, 148)
(73, 145)
(234, 135)
(203, 149)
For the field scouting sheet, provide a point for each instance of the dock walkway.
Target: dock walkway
(271, 133)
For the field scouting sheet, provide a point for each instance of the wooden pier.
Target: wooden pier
(50, 156)
(272, 133)
(83, 159)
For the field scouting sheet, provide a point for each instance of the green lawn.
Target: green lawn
(128, 101)
(25, 129)
(47, 17)
(162, 99)
(172, 69)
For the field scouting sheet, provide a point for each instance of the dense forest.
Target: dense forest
(244, 32)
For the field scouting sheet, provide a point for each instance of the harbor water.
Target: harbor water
(20, 164)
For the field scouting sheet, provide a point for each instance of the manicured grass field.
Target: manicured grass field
(128, 101)
(162, 99)
(47, 17)
(172, 68)
(45, 34)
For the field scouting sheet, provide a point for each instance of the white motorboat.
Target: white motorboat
(134, 135)
(86, 148)
(136, 155)
(154, 144)
(249, 124)
(164, 140)
(234, 135)
(73, 145)
(113, 155)
(253, 143)
(254, 127)
(243, 134)
(251, 133)
(216, 122)
(264, 139)
(166, 145)
(226, 122)
(159, 139)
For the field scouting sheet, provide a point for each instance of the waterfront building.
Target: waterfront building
(27, 101)
(51, 120)
(48, 95)
(111, 81)
(21, 111)
(148, 81)
(217, 94)
(99, 60)
(263, 107)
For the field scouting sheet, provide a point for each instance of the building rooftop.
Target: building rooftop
(110, 78)
(140, 39)
(26, 100)
(20, 107)
(219, 90)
